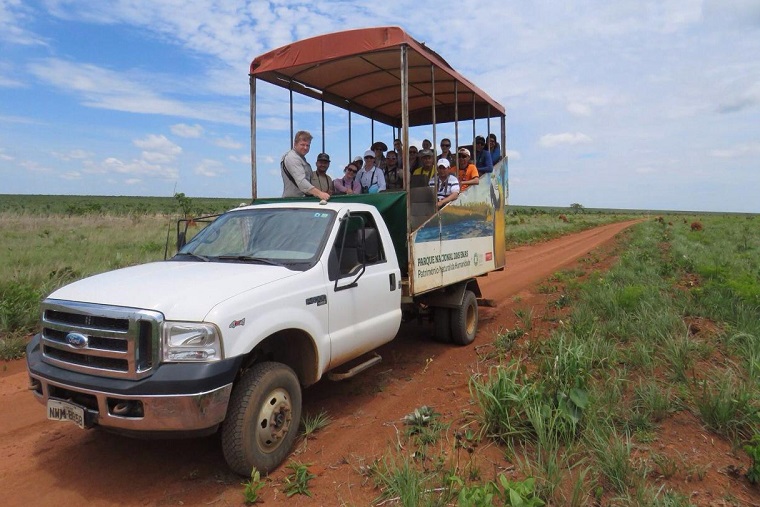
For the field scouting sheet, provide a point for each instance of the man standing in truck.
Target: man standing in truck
(296, 171)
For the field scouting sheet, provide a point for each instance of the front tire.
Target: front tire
(263, 418)
(464, 320)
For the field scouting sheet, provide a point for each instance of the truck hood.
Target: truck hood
(179, 290)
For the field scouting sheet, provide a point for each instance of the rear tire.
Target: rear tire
(464, 320)
(442, 321)
(262, 419)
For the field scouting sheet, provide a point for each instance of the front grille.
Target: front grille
(109, 341)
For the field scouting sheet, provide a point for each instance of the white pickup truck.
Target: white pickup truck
(262, 301)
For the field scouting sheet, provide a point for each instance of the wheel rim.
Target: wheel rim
(275, 418)
(471, 320)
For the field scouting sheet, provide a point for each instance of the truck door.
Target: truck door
(364, 298)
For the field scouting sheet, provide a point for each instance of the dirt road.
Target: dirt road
(48, 463)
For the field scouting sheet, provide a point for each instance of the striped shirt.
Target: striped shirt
(445, 187)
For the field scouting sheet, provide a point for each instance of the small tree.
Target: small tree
(184, 202)
(577, 208)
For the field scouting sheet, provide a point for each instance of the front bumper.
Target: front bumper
(177, 397)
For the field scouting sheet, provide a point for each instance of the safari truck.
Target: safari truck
(270, 297)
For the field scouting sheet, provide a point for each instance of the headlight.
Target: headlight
(191, 341)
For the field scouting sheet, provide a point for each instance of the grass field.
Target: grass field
(673, 327)
(578, 410)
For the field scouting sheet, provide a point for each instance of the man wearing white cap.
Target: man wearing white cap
(447, 185)
(370, 177)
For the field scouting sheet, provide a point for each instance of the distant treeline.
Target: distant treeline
(114, 205)
(131, 205)
(555, 210)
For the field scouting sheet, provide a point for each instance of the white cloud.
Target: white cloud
(132, 181)
(8, 82)
(579, 109)
(513, 155)
(241, 159)
(210, 168)
(739, 150)
(75, 154)
(35, 167)
(552, 140)
(228, 143)
(18, 119)
(72, 175)
(157, 149)
(135, 168)
(13, 13)
(3, 156)
(185, 130)
(103, 88)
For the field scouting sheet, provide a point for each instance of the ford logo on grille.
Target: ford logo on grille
(76, 340)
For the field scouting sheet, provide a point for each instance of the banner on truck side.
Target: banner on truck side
(465, 239)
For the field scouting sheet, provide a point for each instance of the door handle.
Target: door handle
(392, 278)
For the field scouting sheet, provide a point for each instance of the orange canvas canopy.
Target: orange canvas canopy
(361, 71)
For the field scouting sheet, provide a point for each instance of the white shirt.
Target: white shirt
(374, 176)
(445, 188)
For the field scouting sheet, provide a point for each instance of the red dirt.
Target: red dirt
(48, 463)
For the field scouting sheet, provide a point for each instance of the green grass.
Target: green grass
(297, 481)
(49, 241)
(526, 225)
(311, 424)
(78, 205)
(672, 327)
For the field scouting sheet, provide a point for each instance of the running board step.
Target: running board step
(372, 360)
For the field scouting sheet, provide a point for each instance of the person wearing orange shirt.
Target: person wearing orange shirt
(468, 173)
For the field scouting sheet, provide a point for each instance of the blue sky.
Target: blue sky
(645, 104)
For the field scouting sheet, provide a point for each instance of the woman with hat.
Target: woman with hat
(379, 148)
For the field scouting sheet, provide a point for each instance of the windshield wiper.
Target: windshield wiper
(248, 258)
(195, 256)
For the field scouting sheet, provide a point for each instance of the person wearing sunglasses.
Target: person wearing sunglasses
(371, 177)
(494, 148)
(320, 178)
(446, 151)
(348, 184)
(414, 159)
(394, 175)
(483, 160)
(467, 173)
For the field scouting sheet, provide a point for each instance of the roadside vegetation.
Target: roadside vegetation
(669, 335)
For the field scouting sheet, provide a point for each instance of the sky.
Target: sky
(637, 104)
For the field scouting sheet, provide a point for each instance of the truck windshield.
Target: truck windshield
(290, 237)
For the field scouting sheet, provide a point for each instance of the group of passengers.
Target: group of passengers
(381, 169)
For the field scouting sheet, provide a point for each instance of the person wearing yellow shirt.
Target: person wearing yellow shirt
(427, 169)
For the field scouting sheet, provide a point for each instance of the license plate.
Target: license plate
(58, 410)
